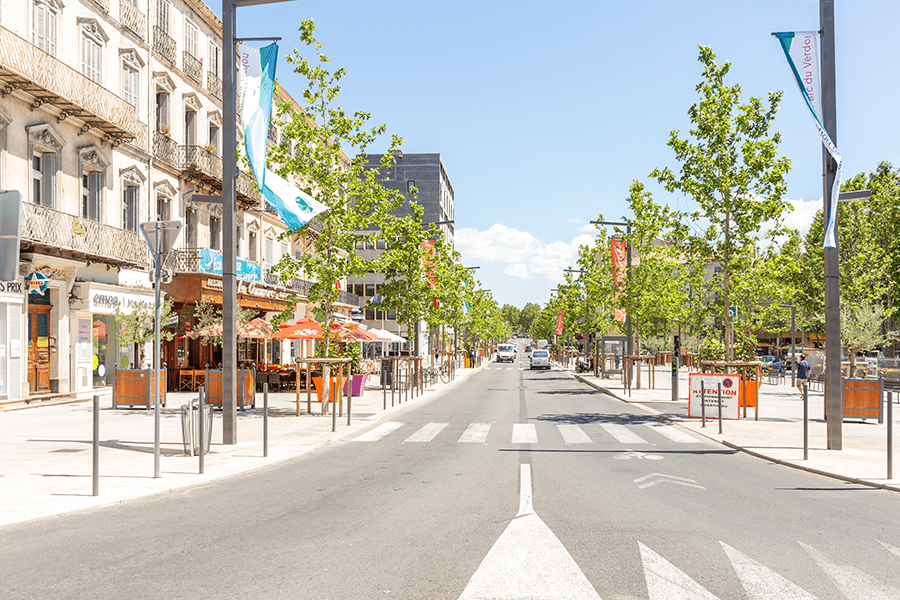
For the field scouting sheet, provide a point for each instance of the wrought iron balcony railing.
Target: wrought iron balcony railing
(132, 18)
(50, 81)
(163, 44)
(201, 161)
(214, 84)
(165, 149)
(193, 68)
(104, 4)
(82, 238)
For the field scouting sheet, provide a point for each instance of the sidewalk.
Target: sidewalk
(47, 464)
(778, 434)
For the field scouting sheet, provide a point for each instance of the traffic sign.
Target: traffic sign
(168, 234)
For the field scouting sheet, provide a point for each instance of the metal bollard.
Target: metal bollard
(201, 426)
(265, 420)
(96, 447)
(703, 402)
(805, 421)
(890, 437)
(719, 400)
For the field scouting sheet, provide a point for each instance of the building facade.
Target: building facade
(110, 116)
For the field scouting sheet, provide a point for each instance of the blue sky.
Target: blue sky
(544, 113)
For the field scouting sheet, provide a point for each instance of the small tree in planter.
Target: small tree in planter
(138, 326)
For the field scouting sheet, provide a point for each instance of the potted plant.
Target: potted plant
(357, 376)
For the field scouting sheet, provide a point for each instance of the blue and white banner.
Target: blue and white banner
(256, 88)
(801, 50)
(295, 207)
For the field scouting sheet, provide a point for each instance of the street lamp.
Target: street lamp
(587, 325)
(628, 332)
(793, 346)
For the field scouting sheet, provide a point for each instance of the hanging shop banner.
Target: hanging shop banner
(257, 84)
(211, 262)
(731, 384)
(559, 321)
(802, 53)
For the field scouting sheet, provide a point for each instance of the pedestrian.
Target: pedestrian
(802, 372)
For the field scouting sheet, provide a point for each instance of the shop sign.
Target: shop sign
(37, 283)
(78, 228)
(108, 302)
(11, 287)
(211, 262)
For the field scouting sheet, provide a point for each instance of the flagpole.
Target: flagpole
(834, 402)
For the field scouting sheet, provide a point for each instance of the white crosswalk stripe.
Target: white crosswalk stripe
(666, 582)
(674, 433)
(373, 435)
(623, 434)
(761, 582)
(573, 434)
(427, 433)
(851, 581)
(475, 433)
(524, 433)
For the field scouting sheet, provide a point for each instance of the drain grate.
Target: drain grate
(68, 450)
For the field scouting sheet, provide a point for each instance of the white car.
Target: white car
(506, 353)
(540, 359)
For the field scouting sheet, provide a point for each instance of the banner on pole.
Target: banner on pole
(801, 48)
(559, 321)
(620, 264)
(256, 88)
(295, 207)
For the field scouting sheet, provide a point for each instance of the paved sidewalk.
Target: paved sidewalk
(778, 434)
(47, 451)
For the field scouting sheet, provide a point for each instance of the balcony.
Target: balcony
(192, 67)
(50, 81)
(103, 4)
(198, 163)
(165, 149)
(69, 236)
(163, 44)
(190, 260)
(214, 84)
(132, 18)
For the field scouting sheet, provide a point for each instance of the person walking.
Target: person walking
(802, 372)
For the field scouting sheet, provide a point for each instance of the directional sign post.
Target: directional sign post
(160, 237)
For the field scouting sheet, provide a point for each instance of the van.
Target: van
(506, 353)
(540, 359)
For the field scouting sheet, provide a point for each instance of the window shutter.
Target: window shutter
(51, 31)
(48, 168)
(164, 112)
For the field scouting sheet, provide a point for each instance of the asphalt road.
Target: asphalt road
(514, 484)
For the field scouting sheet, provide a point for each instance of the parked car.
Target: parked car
(540, 359)
(506, 353)
(772, 363)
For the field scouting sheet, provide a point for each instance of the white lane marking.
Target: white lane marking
(524, 433)
(761, 582)
(673, 432)
(373, 435)
(475, 433)
(622, 433)
(666, 582)
(427, 433)
(852, 582)
(655, 478)
(894, 549)
(573, 434)
(528, 561)
(638, 455)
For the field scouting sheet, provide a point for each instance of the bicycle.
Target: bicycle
(445, 372)
(430, 374)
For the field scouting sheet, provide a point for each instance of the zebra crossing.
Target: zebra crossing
(645, 434)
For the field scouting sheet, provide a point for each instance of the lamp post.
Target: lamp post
(629, 343)
(793, 344)
(587, 299)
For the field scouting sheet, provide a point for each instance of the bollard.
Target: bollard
(265, 420)
(719, 400)
(349, 393)
(332, 394)
(890, 437)
(201, 427)
(96, 447)
(703, 402)
(805, 421)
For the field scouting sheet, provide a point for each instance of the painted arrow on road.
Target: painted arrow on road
(654, 478)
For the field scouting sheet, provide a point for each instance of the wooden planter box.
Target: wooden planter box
(134, 387)
(863, 399)
(245, 390)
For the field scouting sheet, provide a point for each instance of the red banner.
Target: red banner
(428, 261)
(559, 321)
(620, 264)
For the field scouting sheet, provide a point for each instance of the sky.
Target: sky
(545, 113)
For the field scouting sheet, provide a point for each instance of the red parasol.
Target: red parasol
(304, 329)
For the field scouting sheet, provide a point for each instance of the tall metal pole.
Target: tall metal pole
(229, 264)
(834, 404)
(156, 355)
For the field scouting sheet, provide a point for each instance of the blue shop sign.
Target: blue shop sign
(211, 262)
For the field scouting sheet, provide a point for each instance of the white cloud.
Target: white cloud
(574, 221)
(802, 215)
(589, 227)
(519, 270)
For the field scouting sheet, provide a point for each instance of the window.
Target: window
(90, 194)
(215, 229)
(215, 59)
(410, 185)
(91, 57)
(162, 15)
(190, 128)
(370, 290)
(43, 178)
(162, 208)
(130, 85)
(252, 246)
(130, 202)
(190, 39)
(214, 139)
(162, 112)
(43, 25)
(190, 228)
(284, 250)
(270, 251)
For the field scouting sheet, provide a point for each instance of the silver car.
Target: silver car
(540, 359)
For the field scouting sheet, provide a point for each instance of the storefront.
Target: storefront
(12, 358)
(96, 331)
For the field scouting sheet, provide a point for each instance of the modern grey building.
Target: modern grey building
(426, 173)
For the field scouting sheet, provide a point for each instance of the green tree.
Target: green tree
(139, 325)
(527, 315)
(731, 169)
